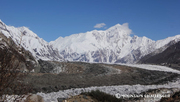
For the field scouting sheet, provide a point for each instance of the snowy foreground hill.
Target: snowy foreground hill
(114, 45)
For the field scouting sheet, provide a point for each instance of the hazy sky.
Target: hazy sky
(49, 19)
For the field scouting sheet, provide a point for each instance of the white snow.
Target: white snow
(163, 42)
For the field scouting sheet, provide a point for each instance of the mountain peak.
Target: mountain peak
(117, 25)
(126, 25)
(121, 29)
(114, 27)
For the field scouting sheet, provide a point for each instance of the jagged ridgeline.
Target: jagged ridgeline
(114, 45)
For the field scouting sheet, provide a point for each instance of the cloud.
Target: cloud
(100, 25)
(126, 28)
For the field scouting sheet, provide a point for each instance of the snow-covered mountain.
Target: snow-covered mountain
(114, 45)
(170, 56)
(30, 41)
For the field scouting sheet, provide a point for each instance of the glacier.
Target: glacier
(113, 90)
(118, 89)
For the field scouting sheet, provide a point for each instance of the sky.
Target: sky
(50, 19)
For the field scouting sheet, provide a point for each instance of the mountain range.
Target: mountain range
(114, 45)
(61, 64)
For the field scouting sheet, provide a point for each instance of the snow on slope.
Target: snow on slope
(30, 41)
(163, 42)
